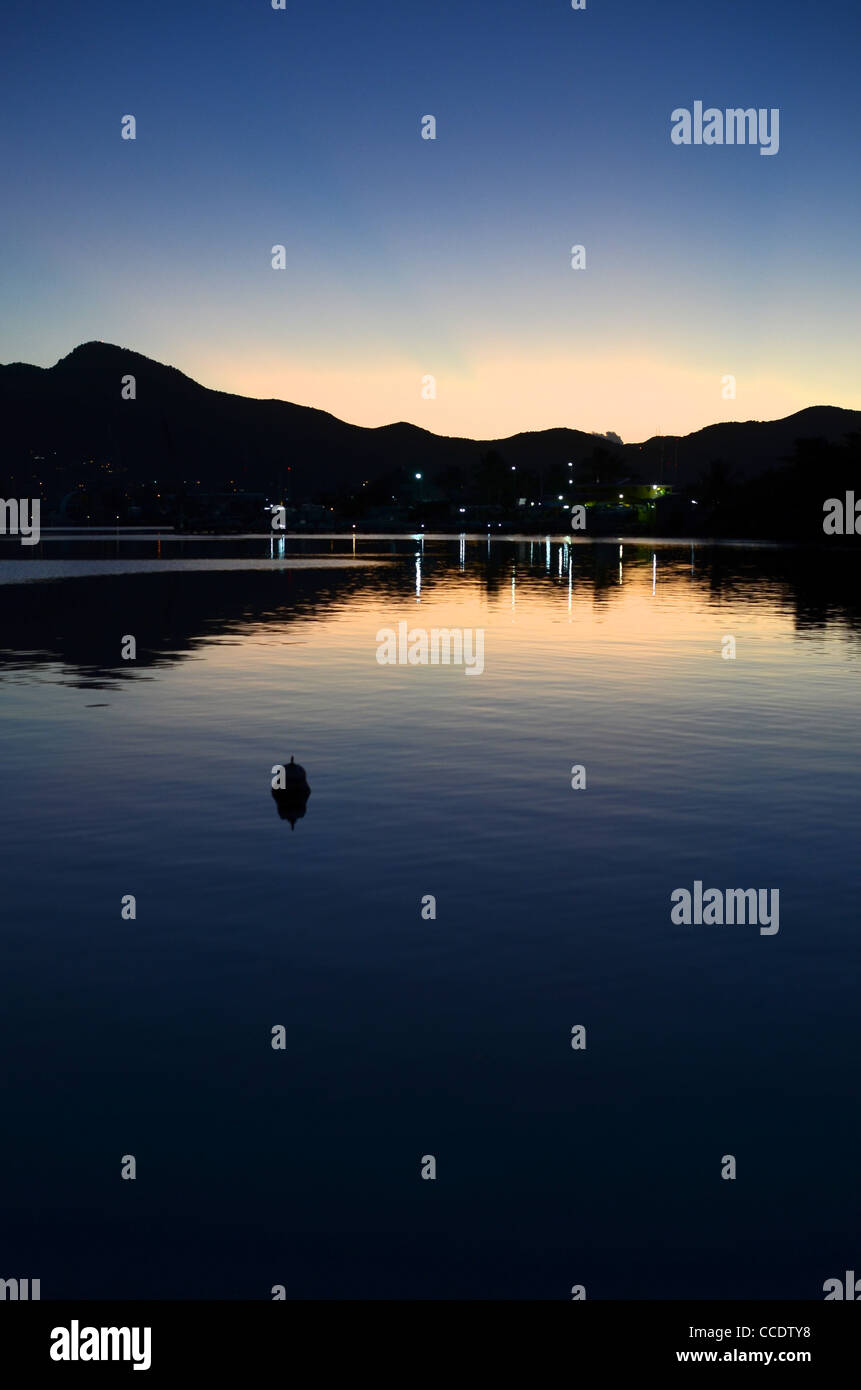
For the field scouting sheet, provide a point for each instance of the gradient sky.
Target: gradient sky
(407, 257)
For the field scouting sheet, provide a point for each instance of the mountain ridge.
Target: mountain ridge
(70, 418)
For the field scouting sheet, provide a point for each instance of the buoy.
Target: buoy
(293, 796)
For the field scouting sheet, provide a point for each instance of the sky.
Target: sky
(450, 258)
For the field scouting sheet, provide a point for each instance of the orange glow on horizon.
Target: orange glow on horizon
(498, 396)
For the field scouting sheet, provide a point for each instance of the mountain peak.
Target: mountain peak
(96, 353)
(98, 356)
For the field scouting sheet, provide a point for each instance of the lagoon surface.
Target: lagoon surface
(408, 1037)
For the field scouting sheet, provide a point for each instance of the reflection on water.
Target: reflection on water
(227, 595)
(410, 1034)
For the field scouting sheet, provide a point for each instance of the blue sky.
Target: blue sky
(451, 257)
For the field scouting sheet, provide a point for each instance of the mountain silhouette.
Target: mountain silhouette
(68, 424)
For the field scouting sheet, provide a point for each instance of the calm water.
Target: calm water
(408, 1037)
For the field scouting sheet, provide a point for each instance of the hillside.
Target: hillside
(67, 425)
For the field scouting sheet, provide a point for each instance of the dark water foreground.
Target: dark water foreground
(408, 1037)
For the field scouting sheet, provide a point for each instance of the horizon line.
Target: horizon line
(408, 424)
